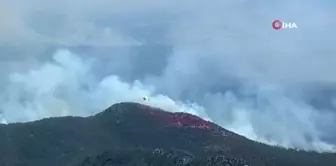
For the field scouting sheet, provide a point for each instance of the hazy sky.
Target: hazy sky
(218, 59)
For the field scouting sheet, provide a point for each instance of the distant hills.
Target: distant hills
(132, 134)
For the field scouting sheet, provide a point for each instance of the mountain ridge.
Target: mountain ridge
(138, 131)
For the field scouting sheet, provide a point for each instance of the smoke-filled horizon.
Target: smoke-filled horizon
(220, 60)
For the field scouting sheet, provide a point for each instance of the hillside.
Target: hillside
(133, 134)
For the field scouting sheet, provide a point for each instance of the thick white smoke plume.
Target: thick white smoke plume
(218, 59)
(66, 86)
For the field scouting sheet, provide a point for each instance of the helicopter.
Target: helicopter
(145, 98)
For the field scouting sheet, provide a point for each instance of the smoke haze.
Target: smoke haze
(218, 59)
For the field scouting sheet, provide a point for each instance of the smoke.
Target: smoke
(66, 86)
(220, 60)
